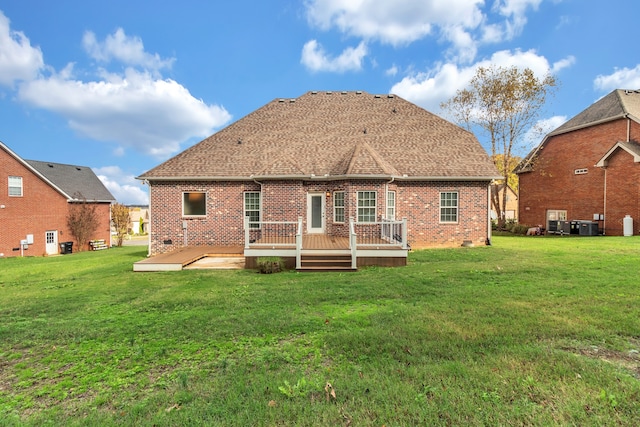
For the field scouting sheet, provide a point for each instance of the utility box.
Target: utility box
(588, 228)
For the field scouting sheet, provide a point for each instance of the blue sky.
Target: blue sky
(121, 86)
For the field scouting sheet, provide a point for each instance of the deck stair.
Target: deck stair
(318, 261)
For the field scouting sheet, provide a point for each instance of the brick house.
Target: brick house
(587, 169)
(35, 199)
(511, 208)
(328, 164)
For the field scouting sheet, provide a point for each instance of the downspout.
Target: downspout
(146, 182)
(604, 221)
(488, 242)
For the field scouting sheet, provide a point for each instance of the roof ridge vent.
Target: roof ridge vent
(314, 92)
(281, 100)
(376, 96)
(358, 92)
(344, 92)
(329, 92)
(292, 100)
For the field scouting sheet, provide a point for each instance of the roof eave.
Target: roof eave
(322, 178)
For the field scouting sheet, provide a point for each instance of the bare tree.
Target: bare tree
(503, 104)
(83, 222)
(120, 220)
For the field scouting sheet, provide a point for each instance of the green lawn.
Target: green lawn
(529, 331)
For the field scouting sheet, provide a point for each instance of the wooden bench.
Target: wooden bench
(98, 244)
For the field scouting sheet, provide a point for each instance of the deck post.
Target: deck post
(246, 232)
(405, 244)
(299, 244)
(353, 244)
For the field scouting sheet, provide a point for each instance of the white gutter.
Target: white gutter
(321, 178)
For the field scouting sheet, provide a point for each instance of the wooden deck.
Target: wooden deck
(180, 258)
(312, 244)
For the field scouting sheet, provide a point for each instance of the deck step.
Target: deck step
(325, 263)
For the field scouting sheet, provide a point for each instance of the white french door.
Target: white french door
(51, 242)
(315, 212)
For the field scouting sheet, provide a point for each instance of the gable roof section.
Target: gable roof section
(619, 104)
(630, 147)
(333, 135)
(77, 183)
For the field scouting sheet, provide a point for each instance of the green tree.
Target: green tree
(120, 221)
(83, 222)
(502, 104)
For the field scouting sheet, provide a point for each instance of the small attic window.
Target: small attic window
(582, 171)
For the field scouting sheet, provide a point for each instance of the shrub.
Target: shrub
(270, 264)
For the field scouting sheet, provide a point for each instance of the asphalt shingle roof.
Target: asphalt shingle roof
(77, 182)
(334, 134)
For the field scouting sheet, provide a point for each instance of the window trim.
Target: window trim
(359, 207)
(336, 207)
(391, 206)
(245, 210)
(14, 186)
(184, 195)
(453, 208)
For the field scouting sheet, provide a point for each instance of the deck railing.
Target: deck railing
(383, 233)
(270, 233)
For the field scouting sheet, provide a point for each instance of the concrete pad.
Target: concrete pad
(220, 263)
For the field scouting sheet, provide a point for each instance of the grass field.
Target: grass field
(529, 331)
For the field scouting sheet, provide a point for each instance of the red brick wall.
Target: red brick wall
(553, 183)
(623, 192)
(39, 210)
(287, 200)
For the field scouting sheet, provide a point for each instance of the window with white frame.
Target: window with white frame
(15, 186)
(391, 205)
(194, 203)
(366, 206)
(449, 206)
(338, 206)
(252, 208)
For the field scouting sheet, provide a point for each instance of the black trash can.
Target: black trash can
(66, 247)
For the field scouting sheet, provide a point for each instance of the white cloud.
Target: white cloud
(125, 188)
(18, 59)
(515, 13)
(562, 64)
(430, 88)
(315, 58)
(135, 110)
(624, 78)
(533, 136)
(397, 23)
(392, 71)
(120, 47)
(463, 24)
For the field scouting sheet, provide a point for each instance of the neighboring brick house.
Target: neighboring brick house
(35, 198)
(587, 169)
(138, 220)
(326, 157)
(511, 208)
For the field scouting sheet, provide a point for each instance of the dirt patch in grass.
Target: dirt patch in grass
(627, 360)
